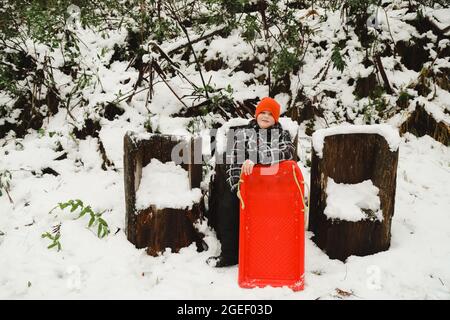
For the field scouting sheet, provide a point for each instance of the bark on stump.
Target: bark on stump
(160, 228)
(420, 123)
(351, 159)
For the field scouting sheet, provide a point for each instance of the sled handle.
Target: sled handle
(305, 207)
(239, 191)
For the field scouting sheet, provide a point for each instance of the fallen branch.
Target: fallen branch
(171, 62)
(159, 71)
(107, 163)
(206, 36)
(380, 67)
(175, 16)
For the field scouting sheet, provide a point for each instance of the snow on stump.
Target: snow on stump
(163, 199)
(353, 181)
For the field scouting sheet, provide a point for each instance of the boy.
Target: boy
(262, 141)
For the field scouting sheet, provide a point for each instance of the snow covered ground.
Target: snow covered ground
(416, 266)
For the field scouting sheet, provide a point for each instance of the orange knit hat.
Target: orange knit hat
(268, 104)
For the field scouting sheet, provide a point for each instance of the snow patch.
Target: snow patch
(165, 185)
(389, 133)
(348, 201)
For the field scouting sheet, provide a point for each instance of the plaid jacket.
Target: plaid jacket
(262, 146)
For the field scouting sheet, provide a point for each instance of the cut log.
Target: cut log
(168, 228)
(160, 228)
(351, 158)
(420, 123)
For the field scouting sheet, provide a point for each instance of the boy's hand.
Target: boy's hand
(247, 167)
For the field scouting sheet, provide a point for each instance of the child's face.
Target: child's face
(265, 120)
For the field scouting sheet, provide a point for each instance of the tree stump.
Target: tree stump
(351, 156)
(420, 123)
(160, 228)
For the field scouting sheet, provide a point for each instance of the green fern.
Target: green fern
(54, 239)
(336, 58)
(95, 217)
(84, 210)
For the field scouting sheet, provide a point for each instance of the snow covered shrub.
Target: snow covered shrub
(356, 13)
(194, 125)
(5, 179)
(432, 3)
(38, 42)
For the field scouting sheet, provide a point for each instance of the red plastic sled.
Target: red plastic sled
(272, 235)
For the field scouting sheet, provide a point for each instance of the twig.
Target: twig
(379, 64)
(246, 108)
(165, 81)
(262, 10)
(172, 63)
(206, 36)
(390, 32)
(9, 196)
(177, 18)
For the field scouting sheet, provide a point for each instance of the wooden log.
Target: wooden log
(420, 123)
(351, 159)
(169, 228)
(158, 228)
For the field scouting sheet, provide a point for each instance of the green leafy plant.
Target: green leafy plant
(84, 210)
(54, 238)
(251, 28)
(368, 113)
(336, 58)
(403, 99)
(41, 132)
(309, 127)
(308, 163)
(376, 108)
(95, 217)
(284, 62)
(194, 125)
(218, 100)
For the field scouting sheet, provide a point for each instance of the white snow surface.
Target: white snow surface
(165, 185)
(347, 201)
(441, 18)
(389, 133)
(414, 267)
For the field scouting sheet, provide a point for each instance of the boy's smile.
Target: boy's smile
(265, 120)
